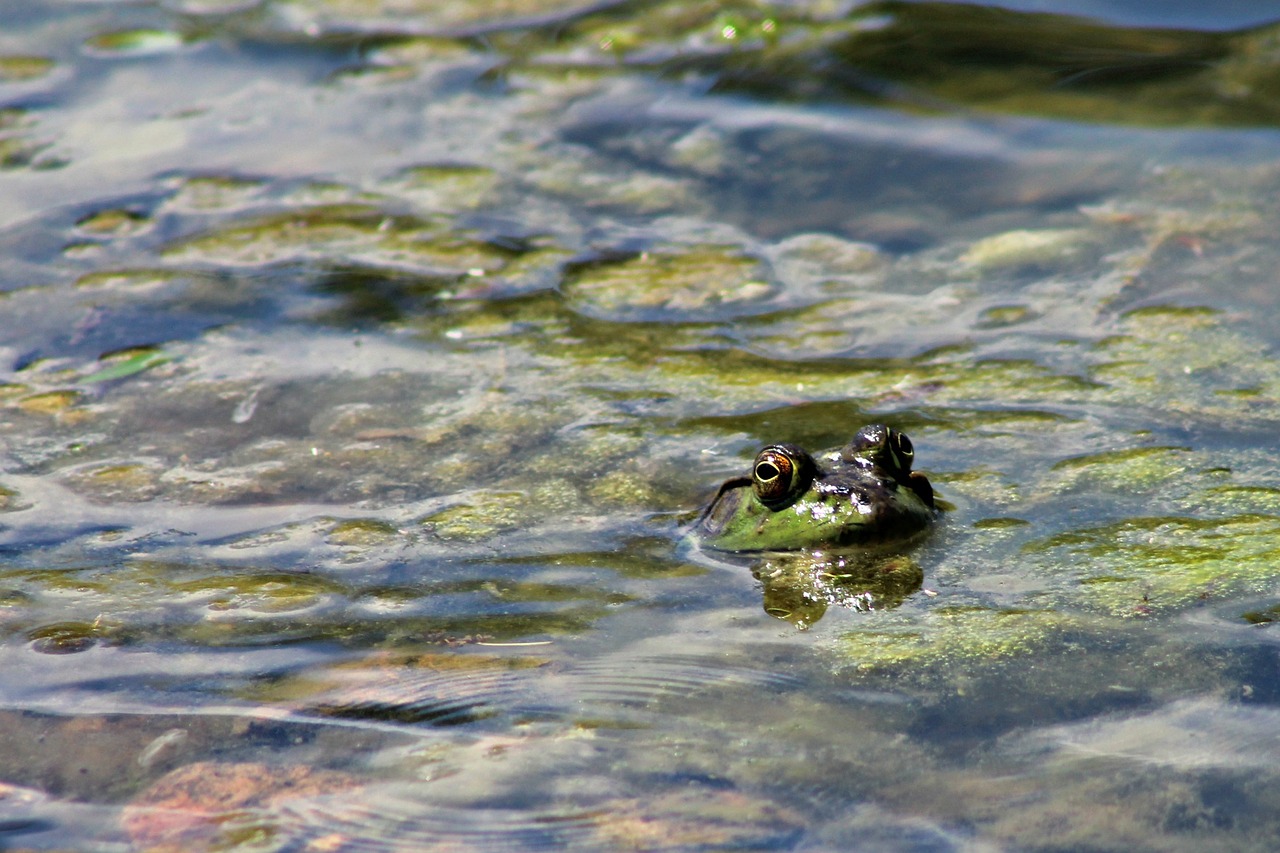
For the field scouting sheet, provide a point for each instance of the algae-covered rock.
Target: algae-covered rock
(927, 55)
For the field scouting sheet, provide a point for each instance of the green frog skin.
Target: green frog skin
(863, 494)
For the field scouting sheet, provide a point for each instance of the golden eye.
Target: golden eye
(780, 473)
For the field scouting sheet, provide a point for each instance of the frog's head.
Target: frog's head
(865, 494)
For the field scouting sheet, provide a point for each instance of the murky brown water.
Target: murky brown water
(363, 363)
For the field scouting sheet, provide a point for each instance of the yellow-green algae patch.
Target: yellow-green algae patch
(135, 42)
(209, 193)
(951, 635)
(352, 682)
(355, 231)
(362, 533)
(1186, 360)
(11, 500)
(15, 69)
(1139, 566)
(49, 402)
(485, 514)
(447, 187)
(676, 282)
(1137, 469)
(133, 280)
(113, 222)
(274, 592)
(432, 14)
(1025, 248)
(135, 481)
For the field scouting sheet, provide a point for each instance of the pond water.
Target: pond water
(365, 362)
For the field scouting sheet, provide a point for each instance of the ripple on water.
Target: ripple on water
(614, 691)
(696, 819)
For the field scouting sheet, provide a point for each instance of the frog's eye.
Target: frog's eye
(904, 454)
(780, 473)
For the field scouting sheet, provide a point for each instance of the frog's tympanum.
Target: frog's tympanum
(863, 494)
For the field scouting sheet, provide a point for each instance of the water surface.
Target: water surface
(365, 362)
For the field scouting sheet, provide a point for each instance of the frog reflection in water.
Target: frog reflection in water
(837, 512)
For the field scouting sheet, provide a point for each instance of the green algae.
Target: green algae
(130, 43)
(210, 193)
(66, 638)
(1137, 469)
(1193, 349)
(18, 148)
(24, 68)
(666, 284)
(453, 187)
(121, 365)
(362, 237)
(942, 637)
(1142, 566)
(484, 515)
(49, 402)
(1023, 63)
(1024, 248)
(266, 593)
(115, 222)
(431, 14)
(362, 533)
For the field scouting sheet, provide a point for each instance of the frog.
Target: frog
(864, 494)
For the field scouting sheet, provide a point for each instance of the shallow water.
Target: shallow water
(365, 362)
